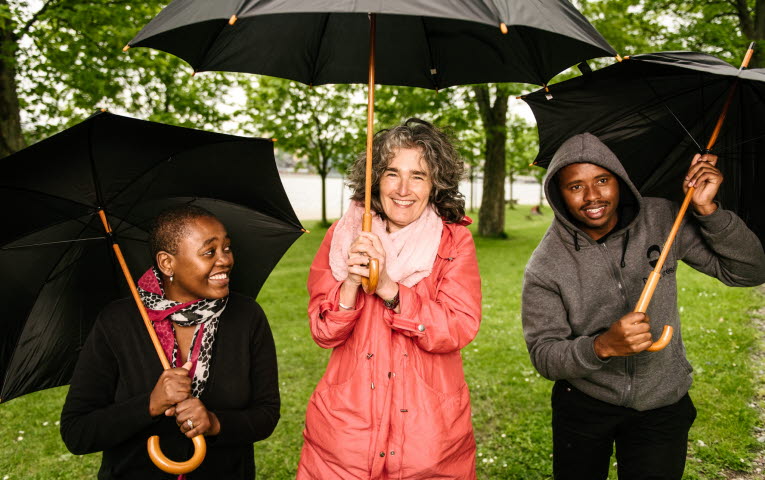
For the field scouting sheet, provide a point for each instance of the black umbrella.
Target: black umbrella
(55, 252)
(418, 43)
(429, 44)
(655, 111)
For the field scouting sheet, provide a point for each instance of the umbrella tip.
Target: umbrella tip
(126, 48)
(619, 58)
(232, 20)
(304, 230)
(503, 28)
(274, 139)
(193, 72)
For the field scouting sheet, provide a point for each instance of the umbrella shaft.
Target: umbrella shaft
(370, 117)
(134, 291)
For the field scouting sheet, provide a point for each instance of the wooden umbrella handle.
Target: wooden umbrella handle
(155, 453)
(176, 468)
(370, 284)
(653, 278)
(642, 306)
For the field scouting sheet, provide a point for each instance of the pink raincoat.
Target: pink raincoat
(393, 402)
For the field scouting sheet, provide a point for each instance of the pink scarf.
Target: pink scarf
(409, 252)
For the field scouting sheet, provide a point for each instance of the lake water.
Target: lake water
(304, 192)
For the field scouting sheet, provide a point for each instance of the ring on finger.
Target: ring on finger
(190, 423)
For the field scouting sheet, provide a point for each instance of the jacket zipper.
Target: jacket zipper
(629, 362)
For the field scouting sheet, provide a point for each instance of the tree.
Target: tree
(62, 61)
(491, 216)
(720, 27)
(323, 126)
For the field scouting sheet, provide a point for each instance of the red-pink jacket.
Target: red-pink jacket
(393, 402)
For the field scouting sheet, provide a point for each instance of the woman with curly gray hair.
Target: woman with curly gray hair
(393, 402)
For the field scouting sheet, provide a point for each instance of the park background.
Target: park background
(61, 60)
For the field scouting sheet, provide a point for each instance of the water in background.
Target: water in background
(304, 192)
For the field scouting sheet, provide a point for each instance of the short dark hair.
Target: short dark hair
(444, 162)
(172, 224)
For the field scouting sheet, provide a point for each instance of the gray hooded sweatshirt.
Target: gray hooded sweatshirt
(574, 287)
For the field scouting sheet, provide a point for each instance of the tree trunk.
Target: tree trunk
(541, 192)
(752, 25)
(323, 174)
(491, 216)
(11, 138)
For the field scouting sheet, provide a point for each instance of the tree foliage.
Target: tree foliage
(720, 27)
(324, 127)
(68, 61)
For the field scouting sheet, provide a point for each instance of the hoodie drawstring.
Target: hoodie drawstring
(624, 247)
(576, 241)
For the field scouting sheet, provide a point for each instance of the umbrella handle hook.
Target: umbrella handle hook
(642, 306)
(176, 468)
(370, 284)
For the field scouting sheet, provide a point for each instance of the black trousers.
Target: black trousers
(649, 445)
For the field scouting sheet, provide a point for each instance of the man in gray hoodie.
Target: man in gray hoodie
(580, 287)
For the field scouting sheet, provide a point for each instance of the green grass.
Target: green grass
(511, 411)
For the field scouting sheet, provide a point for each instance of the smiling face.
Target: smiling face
(405, 188)
(591, 195)
(202, 263)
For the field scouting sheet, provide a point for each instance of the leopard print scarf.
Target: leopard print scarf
(203, 313)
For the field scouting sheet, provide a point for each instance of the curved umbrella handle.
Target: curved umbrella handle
(663, 341)
(370, 284)
(642, 306)
(176, 468)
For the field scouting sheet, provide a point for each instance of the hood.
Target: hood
(587, 148)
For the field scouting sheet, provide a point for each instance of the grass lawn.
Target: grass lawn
(511, 411)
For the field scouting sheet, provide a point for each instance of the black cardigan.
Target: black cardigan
(107, 407)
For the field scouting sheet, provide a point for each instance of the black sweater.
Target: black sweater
(107, 407)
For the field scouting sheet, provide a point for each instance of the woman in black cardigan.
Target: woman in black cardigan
(224, 384)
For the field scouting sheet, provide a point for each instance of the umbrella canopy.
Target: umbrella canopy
(420, 43)
(655, 111)
(53, 250)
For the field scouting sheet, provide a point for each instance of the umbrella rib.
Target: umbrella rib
(138, 198)
(157, 164)
(45, 244)
(663, 102)
(94, 170)
(68, 217)
(433, 76)
(48, 278)
(318, 49)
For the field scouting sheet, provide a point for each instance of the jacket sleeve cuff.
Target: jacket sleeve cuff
(406, 321)
(585, 351)
(715, 222)
(330, 309)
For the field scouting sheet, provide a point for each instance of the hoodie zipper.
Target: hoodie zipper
(629, 362)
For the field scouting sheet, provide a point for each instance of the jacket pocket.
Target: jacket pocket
(439, 440)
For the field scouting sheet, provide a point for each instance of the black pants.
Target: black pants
(649, 445)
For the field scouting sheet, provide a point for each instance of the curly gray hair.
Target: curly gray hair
(444, 163)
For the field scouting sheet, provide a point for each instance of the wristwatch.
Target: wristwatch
(392, 303)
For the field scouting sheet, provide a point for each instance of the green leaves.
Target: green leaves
(70, 63)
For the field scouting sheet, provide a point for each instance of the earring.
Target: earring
(171, 279)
